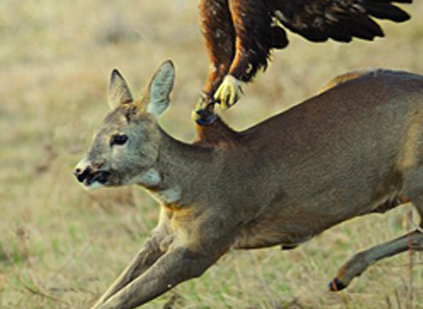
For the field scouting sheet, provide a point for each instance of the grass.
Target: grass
(61, 246)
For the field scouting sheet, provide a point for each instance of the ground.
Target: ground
(61, 246)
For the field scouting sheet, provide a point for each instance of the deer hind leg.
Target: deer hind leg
(362, 260)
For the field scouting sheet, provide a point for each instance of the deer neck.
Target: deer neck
(177, 171)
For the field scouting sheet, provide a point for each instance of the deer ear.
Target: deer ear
(156, 97)
(119, 92)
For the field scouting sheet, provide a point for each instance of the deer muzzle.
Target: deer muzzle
(90, 175)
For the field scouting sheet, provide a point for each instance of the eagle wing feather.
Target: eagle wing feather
(340, 20)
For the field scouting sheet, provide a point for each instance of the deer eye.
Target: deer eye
(119, 139)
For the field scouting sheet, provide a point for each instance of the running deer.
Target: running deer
(352, 150)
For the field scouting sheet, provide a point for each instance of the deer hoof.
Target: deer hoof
(336, 285)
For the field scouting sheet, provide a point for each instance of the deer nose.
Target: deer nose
(82, 170)
(81, 174)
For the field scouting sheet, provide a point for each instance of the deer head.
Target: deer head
(126, 143)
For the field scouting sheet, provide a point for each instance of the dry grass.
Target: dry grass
(61, 246)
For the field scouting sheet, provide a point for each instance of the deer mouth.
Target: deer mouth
(96, 179)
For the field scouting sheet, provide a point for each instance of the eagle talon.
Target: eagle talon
(228, 92)
(203, 113)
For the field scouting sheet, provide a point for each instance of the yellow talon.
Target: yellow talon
(228, 92)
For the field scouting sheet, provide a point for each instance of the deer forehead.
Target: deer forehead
(119, 117)
(125, 118)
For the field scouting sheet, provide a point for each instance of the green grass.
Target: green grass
(61, 246)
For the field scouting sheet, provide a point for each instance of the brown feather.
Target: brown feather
(240, 34)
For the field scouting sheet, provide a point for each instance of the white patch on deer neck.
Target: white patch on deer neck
(168, 196)
(149, 179)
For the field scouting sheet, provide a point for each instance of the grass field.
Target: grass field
(61, 246)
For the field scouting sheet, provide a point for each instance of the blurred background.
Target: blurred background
(61, 246)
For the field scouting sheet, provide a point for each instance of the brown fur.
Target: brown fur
(344, 153)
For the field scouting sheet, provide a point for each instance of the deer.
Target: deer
(354, 149)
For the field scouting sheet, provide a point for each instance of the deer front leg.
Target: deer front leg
(362, 260)
(146, 257)
(177, 265)
(151, 251)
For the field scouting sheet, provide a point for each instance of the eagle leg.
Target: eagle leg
(219, 35)
(253, 41)
(228, 92)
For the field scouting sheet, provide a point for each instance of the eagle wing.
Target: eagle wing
(340, 20)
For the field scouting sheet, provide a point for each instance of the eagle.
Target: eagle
(241, 34)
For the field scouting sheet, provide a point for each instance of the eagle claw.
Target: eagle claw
(228, 92)
(204, 112)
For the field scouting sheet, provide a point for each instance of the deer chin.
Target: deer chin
(96, 180)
